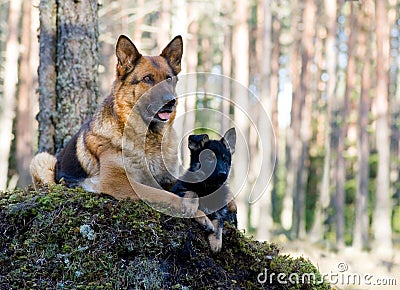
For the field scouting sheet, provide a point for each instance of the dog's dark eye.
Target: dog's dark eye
(148, 79)
(169, 79)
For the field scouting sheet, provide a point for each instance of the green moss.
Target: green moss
(59, 238)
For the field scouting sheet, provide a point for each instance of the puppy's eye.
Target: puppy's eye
(169, 79)
(148, 79)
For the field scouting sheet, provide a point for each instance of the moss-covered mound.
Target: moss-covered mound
(60, 238)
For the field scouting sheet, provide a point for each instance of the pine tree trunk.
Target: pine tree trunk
(188, 103)
(7, 111)
(137, 34)
(68, 86)
(292, 135)
(227, 72)
(47, 75)
(164, 24)
(342, 126)
(77, 62)
(276, 50)
(301, 122)
(318, 230)
(240, 46)
(382, 213)
(361, 221)
(24, 107)
(263, 51)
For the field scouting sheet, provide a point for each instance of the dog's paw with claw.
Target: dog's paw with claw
(215, 241)
(202, 219)
(190, 204)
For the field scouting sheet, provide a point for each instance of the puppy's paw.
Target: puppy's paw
(190, 204)
(215, 239)
(202, 219)
(215, 242)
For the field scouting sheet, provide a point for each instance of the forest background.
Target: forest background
(327, 73)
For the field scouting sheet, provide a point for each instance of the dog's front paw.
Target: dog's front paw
(190, 204)
(202, 219)
(215, 241)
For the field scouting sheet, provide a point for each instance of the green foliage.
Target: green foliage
(61, 238)
(313, 190)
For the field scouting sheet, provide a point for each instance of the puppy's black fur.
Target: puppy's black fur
(210, 164)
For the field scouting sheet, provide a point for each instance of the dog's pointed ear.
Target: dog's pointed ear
(229, 139)
(196, 142)
(173, 53)
(127, 55)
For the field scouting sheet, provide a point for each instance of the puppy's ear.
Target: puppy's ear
(127, 55)
(229, 139)
(196, 142)
(173, 53)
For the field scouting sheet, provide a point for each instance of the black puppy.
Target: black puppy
(210, 163)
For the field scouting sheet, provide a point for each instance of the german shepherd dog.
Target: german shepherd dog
(210, 163)
(139, 117)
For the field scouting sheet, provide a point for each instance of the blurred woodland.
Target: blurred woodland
(327, 72)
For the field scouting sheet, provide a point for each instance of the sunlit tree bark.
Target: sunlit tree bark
(263, 51)
(301, 121)
(292, 138)
(47, 75)
(68, 88)
(382, 227)
(318, 229)
(240, 46)
(342, 121)
(361, 221)
(24, 107)
(7, 112)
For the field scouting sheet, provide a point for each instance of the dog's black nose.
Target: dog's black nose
(169, 99)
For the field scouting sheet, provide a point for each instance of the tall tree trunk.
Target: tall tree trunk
(361, 221)
(395, 104)
(227, 72)
(24, 108)
(137, 34)
(302, 122)
(164, 24)
(342, 126)
(276, 49)
(268, 144)
(7, 112)
(68, 87)
(77, 62)
(382, 228)
(240, 45)
(189, 100)
(47, 75)
(292, 138)
(318, 231)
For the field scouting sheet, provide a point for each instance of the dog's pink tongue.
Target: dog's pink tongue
(164, 115)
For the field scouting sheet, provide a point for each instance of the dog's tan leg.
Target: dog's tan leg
(215, 239)
(113, 181)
